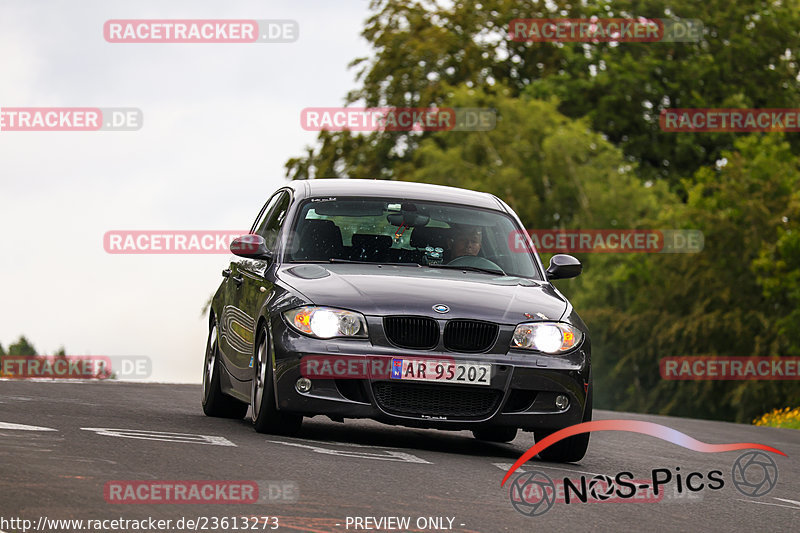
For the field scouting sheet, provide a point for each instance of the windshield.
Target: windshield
(398, 231)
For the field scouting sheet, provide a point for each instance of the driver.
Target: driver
(465, 241)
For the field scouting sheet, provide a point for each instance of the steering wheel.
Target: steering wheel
(475, 261)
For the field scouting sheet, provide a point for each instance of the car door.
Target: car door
(233, 323)
(254, 286)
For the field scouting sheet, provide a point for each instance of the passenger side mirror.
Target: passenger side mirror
(251, 246)
(563, 266)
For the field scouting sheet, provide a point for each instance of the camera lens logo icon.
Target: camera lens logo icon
(532, 493)
(601, 487)
(755, 474)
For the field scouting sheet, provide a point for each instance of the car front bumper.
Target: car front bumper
(522, 390)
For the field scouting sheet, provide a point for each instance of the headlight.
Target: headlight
(546, 337)
(327, 322)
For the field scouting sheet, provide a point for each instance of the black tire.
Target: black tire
(266, 417)
(215, 402)
(571, 449)
(501, 434)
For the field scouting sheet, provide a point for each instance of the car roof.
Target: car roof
(394, 189)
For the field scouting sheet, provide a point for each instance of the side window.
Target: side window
(275, 216)
(265, 212)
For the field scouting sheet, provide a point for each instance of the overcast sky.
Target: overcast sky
(220, 121)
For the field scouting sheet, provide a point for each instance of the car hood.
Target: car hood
(382, 290)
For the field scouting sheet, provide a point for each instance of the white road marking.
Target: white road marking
(351, 444)
(163, 436)
(21, 427)
(788, 501)
(506, 466)
(388, 455)
(773, 504)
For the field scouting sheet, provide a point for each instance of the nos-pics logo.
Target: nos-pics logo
(754, 474)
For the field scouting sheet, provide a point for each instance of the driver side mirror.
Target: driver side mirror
(563, 266)
(251, 246)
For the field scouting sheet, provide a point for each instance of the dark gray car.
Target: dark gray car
(406, 303)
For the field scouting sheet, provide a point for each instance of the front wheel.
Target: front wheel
(571, 449)
(216, 402)
(266, 417)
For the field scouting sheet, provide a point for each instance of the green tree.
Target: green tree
(623, 88)
(778, 271)
(22, 347)
(422, 49)
(708, 303)
(552, 170)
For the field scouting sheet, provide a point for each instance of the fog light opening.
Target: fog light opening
(562, 402)
(303, 385)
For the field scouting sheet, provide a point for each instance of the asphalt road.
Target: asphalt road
(334, 474)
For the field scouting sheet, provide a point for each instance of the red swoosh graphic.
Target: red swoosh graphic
(645, 428)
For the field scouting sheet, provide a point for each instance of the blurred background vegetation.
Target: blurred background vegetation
(578, 145)
(21, 347)
(24, 347)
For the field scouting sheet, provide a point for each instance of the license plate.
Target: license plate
(441, 371)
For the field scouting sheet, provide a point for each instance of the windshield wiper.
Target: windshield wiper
(470, 268)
